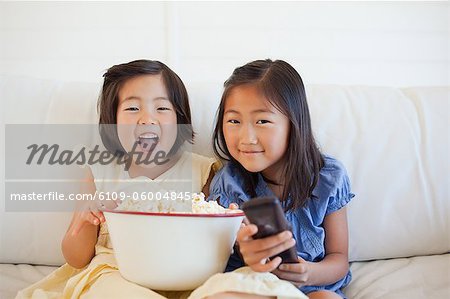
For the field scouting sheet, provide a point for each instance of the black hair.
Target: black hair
(282, 85)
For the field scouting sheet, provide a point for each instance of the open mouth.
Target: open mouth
(148, 141)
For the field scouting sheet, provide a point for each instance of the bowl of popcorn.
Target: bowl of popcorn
(171, 243)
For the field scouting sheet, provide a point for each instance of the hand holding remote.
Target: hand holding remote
(267, 241)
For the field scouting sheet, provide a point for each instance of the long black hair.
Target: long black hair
(283, 87)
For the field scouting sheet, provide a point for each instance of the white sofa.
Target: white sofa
(394, 143)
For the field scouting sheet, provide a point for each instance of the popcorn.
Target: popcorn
(196, 205)
(200, 206)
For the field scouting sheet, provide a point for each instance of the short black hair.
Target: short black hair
(108, 102)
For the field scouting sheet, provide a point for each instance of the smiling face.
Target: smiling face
(255, 132)
(146, 118)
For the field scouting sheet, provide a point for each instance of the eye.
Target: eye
(233, 121)
(263, 121)
(163, 109)
(132, 109)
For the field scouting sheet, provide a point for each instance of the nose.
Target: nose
(247, 135)
(147, 118)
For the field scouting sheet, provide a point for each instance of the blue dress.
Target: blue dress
(332, 193)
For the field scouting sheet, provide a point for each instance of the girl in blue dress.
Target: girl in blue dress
(264, 132)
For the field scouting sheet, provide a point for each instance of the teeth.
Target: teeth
(148, 135)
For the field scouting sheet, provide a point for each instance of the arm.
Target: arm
(78, 245)
(335, 263)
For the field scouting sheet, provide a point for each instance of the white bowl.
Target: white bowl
(174, 251)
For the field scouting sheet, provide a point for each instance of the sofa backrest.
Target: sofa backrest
(393, 142)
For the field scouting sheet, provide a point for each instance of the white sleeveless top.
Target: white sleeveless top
(189, 174)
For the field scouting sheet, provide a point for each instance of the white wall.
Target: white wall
(369, 43)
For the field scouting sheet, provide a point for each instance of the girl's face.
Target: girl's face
(146, 119)
(256, 133)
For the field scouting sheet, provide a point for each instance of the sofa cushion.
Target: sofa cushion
(412, 278)
(17, 277)
(394, 144)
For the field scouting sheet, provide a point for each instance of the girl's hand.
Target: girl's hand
(297, 274)
(256, 253)
(90, 214)
(233, 206)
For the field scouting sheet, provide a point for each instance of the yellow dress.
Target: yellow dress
(102, 279)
